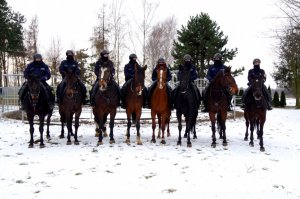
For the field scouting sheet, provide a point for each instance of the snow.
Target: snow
(153, 170)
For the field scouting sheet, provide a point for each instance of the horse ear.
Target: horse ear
(145, 67)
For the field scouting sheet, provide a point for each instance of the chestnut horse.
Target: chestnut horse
(255, 111)
(160, 106)
(185, 104)
(134, 100)
(106, 102)
(220, 87)
(70, 105)
(35, 103)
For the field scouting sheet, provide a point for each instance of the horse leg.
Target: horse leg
(138, 135)
(159, 125)
(48, 124)
(104, 125)
(168, 129)
(62, 121)
(76, 142)
(188, 131)
(219, 124)
(163, 127)
(31, 130)
(69, 119)
(97, 131)
(41, 129)
(111, 126)
(179, 128)
(252, 123)
(128, 128)
(247, 126)
(213, 129)
(100, 136)
(257, 128)
(261, 140)
(223, 127)
(153, 126)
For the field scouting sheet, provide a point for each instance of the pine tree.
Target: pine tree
(202, 38)
(276, 102)
(269, 90)
(282, 99)
(85, 71)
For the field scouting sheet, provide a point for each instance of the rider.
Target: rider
(129, 73)
(188, 65)
(65, 65)
(41, 70)
(253, 74)
(103, 61)
(160, 62)
(213, 70)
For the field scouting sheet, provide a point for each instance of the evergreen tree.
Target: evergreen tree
(269, 90)
(85, 71)
(282, 99)
(276, 99)
(11, 36)
(202, 38)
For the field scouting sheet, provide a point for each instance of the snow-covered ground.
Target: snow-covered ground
(153, 170)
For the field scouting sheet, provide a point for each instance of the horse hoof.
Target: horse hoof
(69, 142)
(139, 143)
(168, 135)
(112, 141)
(185, 136)
(42, 146)
(163, 142)
(213, 145)
(99, 143)
(179, 143)
(105, 134)
(245, 139)
(262, 149)
(49, 137)
(225, 143)
(189, 145)
(97, 134)
(72, 134)
(61, 136)
(127, 141)
(251, 144)
(76, 142)
(30, 146)
(195, 137)
(153, 141)
(158, 137)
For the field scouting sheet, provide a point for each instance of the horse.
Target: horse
(217, 103)
(255, 111)
(70, 104)
(134, 100)
(185, 104)
(160, 106)
(35, 103)
(106, 102)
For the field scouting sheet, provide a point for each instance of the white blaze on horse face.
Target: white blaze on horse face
(103, 84)
(160, 86)
(102, 72)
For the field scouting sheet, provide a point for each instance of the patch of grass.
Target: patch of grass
(23, 163)
(20, 182)
(108, 171)
(78, 174)
(170, 190)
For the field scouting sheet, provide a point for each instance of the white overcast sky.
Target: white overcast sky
(249, 24)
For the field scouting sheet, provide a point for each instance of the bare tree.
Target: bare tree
(291, 8)
(31, 37)
(160, 41)
(53, 56)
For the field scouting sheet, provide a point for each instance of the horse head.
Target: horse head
(162, 76)
(71, 79)
(34, 88)
(257, 88)
(104, 78)
(139, 78)
(184, 80)
(227, 81)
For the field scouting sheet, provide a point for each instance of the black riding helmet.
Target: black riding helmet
(70, 52)
(217, 57)
(132, 56)
(104, 52)
(187, 58)
(37, 56)
(161, 60)
(255, 61)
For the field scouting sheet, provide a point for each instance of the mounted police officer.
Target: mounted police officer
(213, 70)
(39, 69)
(188, 65)
(254, 73)
(66, 65)
(161, 62)
(129, 74)
(103, 61)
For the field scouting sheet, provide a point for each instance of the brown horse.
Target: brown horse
(221, 86)
(160, 106)
(70, 104)
(134, 100)
(35, 103)
(106, 102)
(255, 112)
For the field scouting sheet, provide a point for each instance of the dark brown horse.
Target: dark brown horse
(221, 86)
(134, 100)
(35, 103)
(106, 102)
(70, 105)
(160, 106)
(255, 112)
